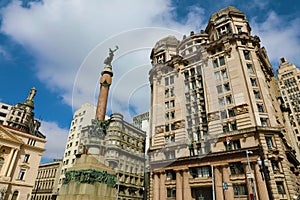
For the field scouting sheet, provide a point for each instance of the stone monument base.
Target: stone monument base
(89, 179)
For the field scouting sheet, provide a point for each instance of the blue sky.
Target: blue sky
(59, 46)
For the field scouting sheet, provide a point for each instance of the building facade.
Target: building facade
(81, 118)
(21, 148)
(47, 181)
(288, 83)
(216, 127)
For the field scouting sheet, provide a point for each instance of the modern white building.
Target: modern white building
(81, 118)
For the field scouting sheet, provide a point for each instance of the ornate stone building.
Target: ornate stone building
(21, 148)
(46, 182)
(216, 127)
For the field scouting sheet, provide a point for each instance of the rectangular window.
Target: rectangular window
(200, 172)
(172, 103)
(236, 168)
(275, 165)
(170, 175)
(171, 79)
(260, 107)
(192, 72)
(215, 63)
(222, 60)
(223, 114)
(172, 91)
(186, 74)
(228, 99)
(249, 68)
(264, 121)
(239, 189)
(280, 187)
(166, 93)
(246, 55)
(167, 81)
(172, 114)
(217, 76)
(269, 142)
(21, 174)
(4, 107)
(253, 82)
(2, 114)
(26, 158)
(226, 87)
(194, 84)
(221, 101)
(171, 192)
(166, 105)
(231, 112)
(167, 128)
(224, 74)
(219, 89)
(256, 94)
(167, 116)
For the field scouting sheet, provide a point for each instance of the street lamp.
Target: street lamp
(250, 175)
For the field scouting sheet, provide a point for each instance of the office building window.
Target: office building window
(264, 121)
(167, 81)
(224, 74)
(215, 63)
(170, 175)
(26, 158)
(280, 187)
(249, 68)
(219, 89)
(200, 172)
(171, 192)
(222, 60)
(171, 79)
(228, 99)
(253, 82)
(221, 101)
(256, 94)
(239, 189)
(21, 174)
(246, 55)
(236, 168)
(260, 107)
(226, 87)
(269, 142)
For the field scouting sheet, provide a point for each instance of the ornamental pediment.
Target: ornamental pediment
(7, 135)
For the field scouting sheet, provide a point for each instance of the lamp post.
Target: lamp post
(263, 166)
(250, 175)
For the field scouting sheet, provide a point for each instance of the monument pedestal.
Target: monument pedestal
(89, 179)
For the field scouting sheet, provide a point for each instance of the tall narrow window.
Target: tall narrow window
(224, 74)
(215, 63)
(256, 94)
(167, 81)
(171, 79)
(247, 55)
(219, 89)
(249, 68)
(26, 158)
(269, 142)
(222, 60)
(253, 82)
(260, 107)
(217, 75)
(280, 187)
(22, 174)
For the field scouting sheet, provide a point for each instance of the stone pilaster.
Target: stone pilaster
(179, 185)
(229, 195)
(186, 185)
(162, 187)
(218, 183)
(155, 191)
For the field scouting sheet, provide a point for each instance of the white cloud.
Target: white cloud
(280, 36)
(56, 139)
(61, 34)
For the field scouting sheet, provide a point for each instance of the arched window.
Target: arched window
(15, 195)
